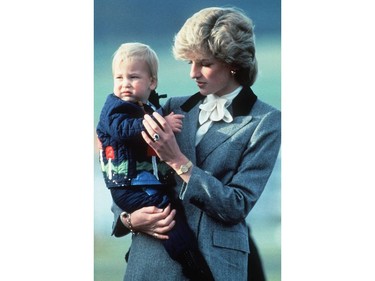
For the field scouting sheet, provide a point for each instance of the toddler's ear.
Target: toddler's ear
(154, 83)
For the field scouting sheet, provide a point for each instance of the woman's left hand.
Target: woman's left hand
(152, 221)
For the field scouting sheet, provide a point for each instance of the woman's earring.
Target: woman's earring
(233, 72)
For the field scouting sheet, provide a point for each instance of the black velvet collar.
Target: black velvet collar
(241, 104)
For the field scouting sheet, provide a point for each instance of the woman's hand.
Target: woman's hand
(153, 221)
(165, 145)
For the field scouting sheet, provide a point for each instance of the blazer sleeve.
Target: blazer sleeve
(242, 177)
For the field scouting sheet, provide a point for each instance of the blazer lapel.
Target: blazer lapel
(186, 138)
(190, 127)
(217, 135)
(219, 131)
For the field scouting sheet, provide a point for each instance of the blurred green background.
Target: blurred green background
(155, 23)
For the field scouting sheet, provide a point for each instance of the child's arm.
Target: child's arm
(174, 121)
(120, 121)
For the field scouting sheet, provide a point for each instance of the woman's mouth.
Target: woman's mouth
(200, 84)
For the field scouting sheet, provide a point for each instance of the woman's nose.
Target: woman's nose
(195, 71)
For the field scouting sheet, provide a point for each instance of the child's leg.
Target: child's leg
(130, 200)
(181, 237)
(182, 246)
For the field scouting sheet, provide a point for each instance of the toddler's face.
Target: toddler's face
(132, 81)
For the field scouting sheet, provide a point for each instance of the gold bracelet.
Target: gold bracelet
(127, 217)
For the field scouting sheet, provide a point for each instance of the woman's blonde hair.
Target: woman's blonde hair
(138, 51)
(225, 33)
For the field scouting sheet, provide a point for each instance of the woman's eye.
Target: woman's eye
(206, 63)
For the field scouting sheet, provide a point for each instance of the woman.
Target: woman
(223, 157)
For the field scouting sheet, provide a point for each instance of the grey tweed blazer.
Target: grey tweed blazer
(232, 164)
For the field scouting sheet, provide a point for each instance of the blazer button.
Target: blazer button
(197, 202)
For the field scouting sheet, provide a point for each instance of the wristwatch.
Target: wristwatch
(184, 168)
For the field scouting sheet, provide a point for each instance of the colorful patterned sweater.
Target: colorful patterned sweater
(126, 159)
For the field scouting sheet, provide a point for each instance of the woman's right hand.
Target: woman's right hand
(153, 221)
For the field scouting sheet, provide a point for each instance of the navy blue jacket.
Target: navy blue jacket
(124, 153)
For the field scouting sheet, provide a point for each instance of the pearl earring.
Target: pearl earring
(233, 72)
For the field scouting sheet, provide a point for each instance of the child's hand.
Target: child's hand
(175, 121)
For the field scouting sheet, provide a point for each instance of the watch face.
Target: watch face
(184, 168)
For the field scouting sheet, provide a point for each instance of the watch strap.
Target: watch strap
(184, 168)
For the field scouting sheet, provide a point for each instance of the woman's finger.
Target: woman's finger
(165, 229)
(147, 138)
(157, 128)
(152, 129)
(159, 236)
(162, 122)
(152, 210)
(146, 123)
(164, 225)
(168, 219)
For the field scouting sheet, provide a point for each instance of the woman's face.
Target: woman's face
(212, 76)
